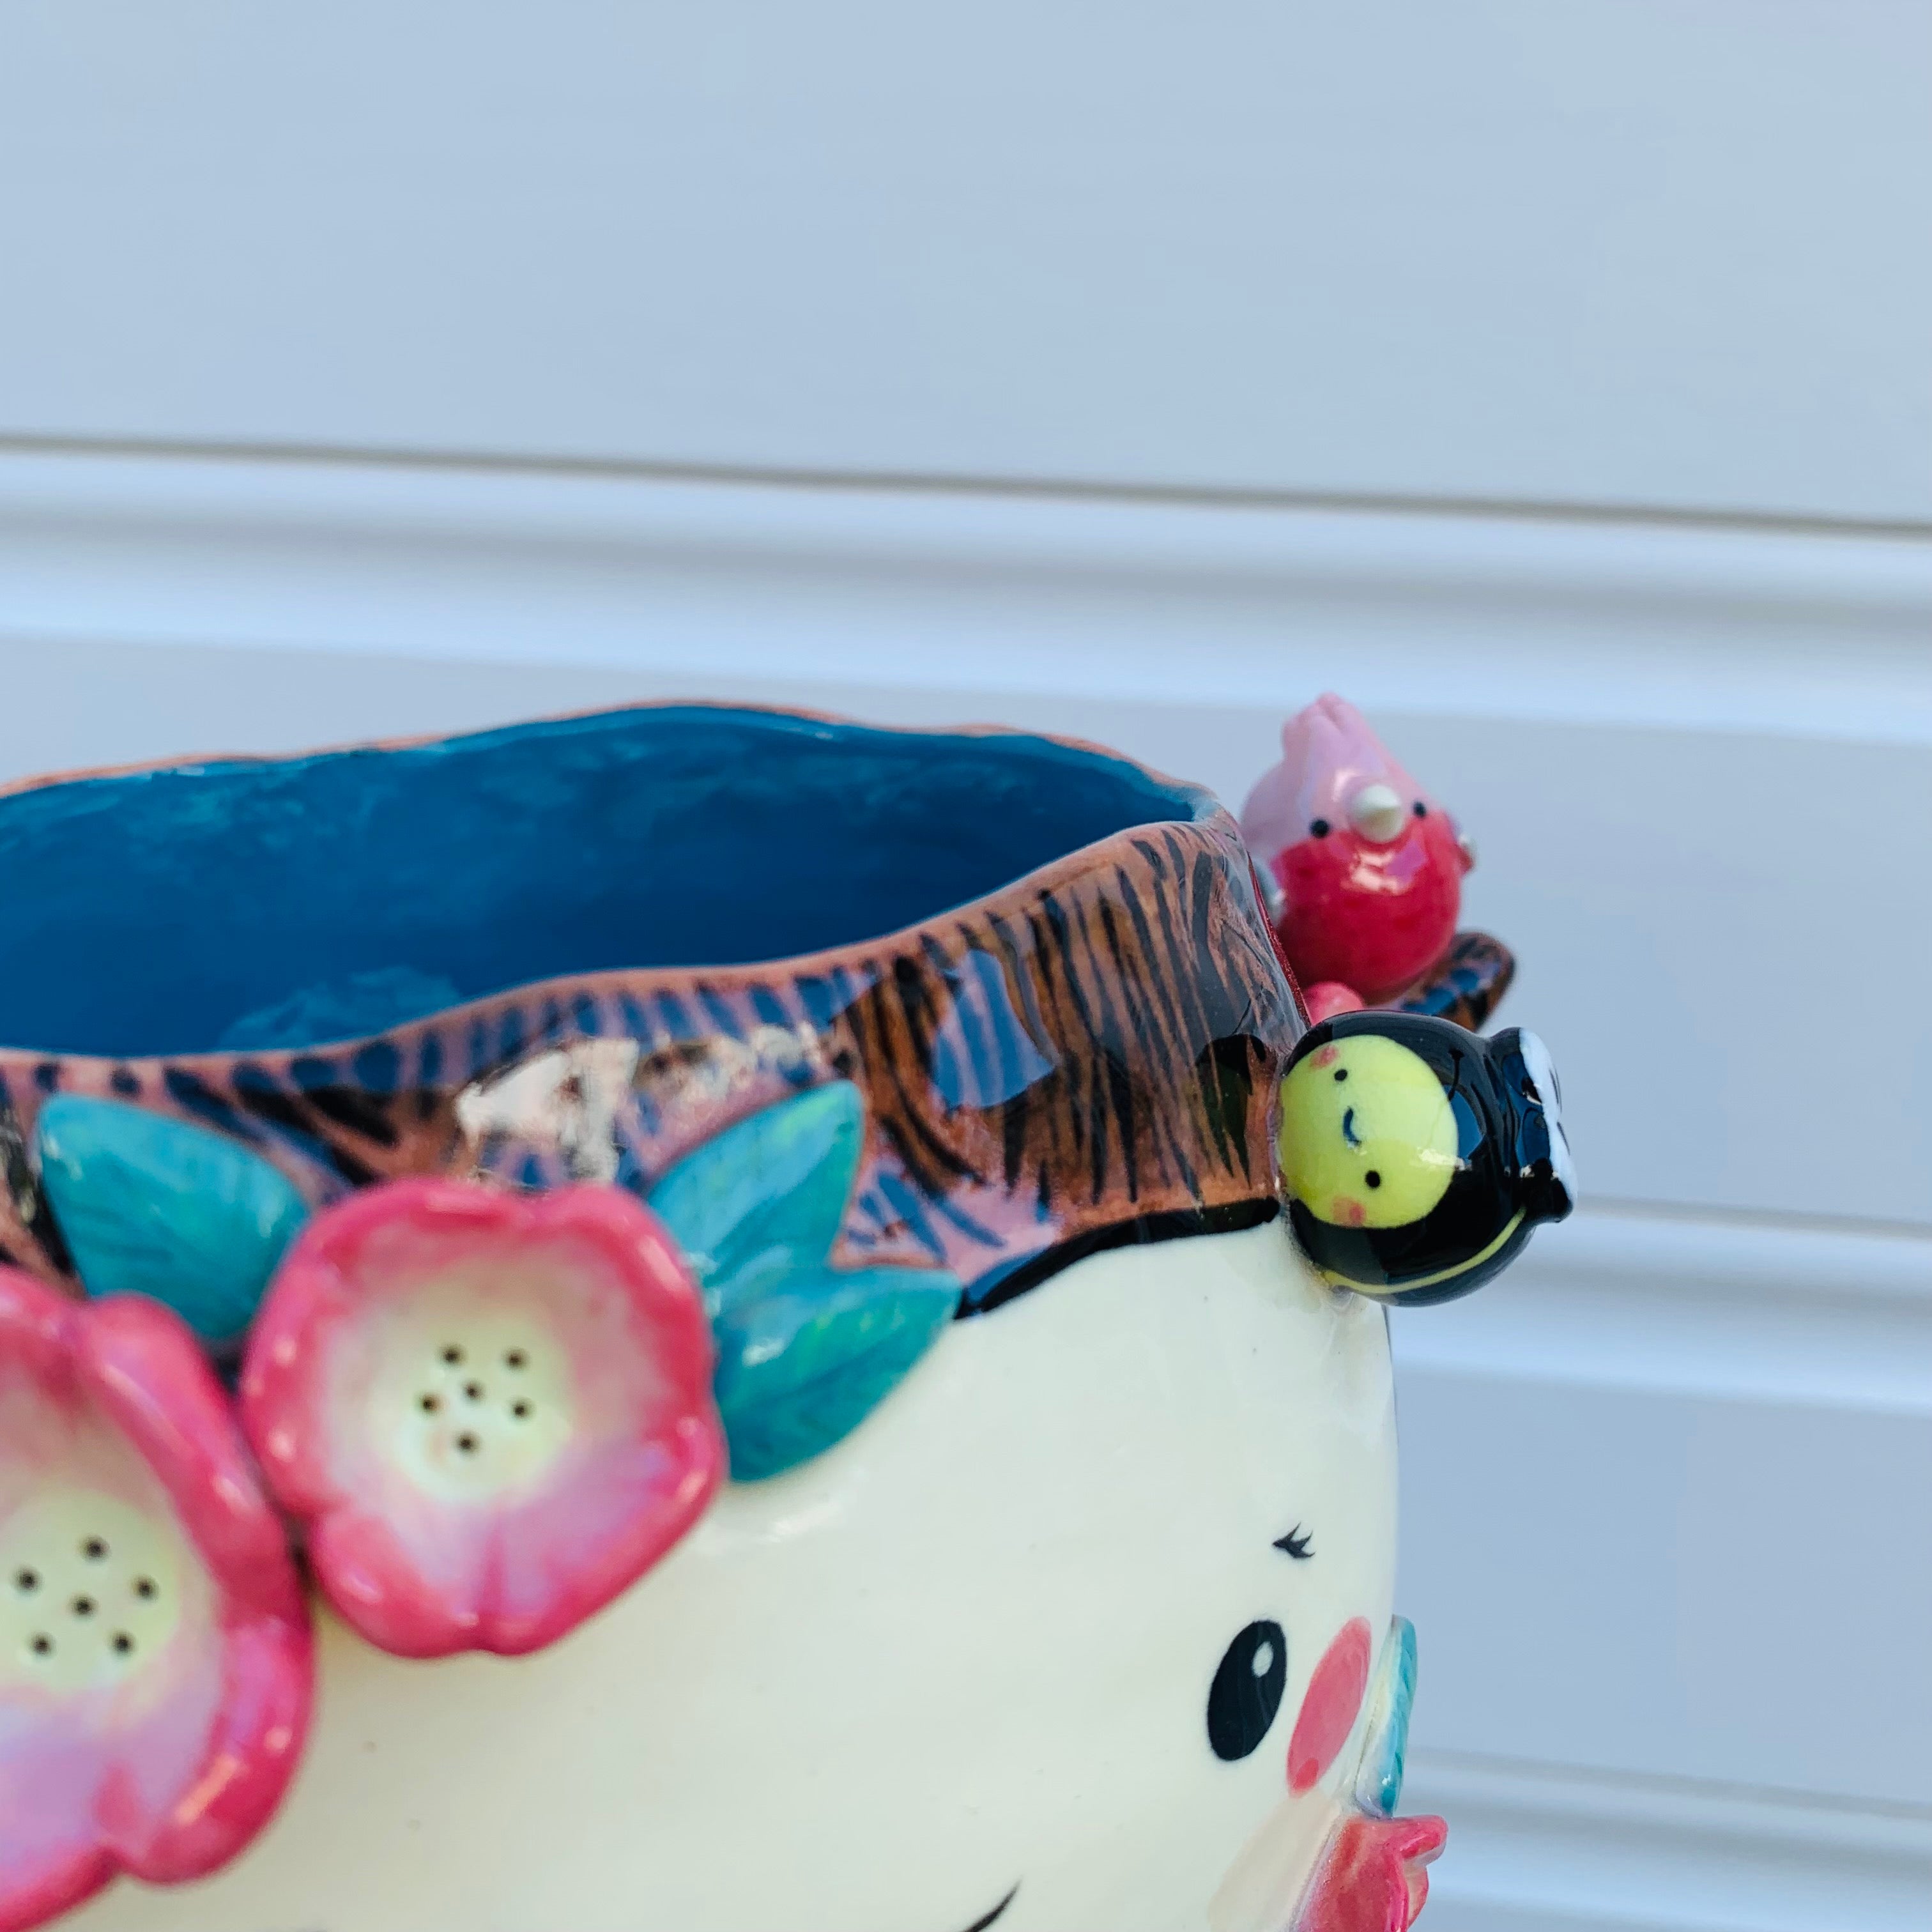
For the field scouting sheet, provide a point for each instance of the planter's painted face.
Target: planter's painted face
(1037, 1638)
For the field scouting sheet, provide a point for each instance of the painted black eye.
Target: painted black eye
(1421, 810)
(1246, 1690)
(1320, 828)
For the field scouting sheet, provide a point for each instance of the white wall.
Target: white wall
(1231, 272)
(1661, 252)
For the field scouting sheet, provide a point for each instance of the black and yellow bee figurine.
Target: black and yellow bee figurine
(1417, 1157)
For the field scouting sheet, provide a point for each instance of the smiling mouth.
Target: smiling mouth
(980, 1924)
(1349, 1132)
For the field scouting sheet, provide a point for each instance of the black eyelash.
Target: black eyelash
(1297, 1543)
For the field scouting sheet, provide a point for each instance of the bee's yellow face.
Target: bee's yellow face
(1368, 1139)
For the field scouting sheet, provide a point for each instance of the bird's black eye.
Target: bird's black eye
(1246, 1694)
(1421, 810)
(1374, 1179)
(1320, 828)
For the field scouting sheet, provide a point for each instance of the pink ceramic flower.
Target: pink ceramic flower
(156, 1661)
(492, 1410)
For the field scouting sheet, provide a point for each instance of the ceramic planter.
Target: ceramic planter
(803, 1296)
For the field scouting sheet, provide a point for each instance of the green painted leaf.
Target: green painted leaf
(806, 1351)
(799, 1370)
(762, 1201)
(148, 1205)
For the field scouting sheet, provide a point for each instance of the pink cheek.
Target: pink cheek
(1328, 1711)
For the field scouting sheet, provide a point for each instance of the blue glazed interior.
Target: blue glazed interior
(253, 904)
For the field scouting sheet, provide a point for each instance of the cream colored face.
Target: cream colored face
(965, 1657)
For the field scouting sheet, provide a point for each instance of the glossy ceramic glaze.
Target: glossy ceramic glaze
(1418, 1158)
(1046, 970)
(969, 1648)
(1364, 869)
(889, 1118)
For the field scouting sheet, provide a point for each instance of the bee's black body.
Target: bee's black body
(1512, 1168)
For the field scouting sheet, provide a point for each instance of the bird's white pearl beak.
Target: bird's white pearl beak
(1377, 812)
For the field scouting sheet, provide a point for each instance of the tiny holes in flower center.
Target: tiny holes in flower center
(475, 1393)
(83, 1604)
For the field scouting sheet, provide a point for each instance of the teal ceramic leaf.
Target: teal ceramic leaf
(1378, 1783)
(152, 1206)
(798, 1371)
(762, 1201)
(806, 1351)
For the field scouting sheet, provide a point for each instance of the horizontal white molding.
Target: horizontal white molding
(1755, 1309)
(702, 585)
(1665, 1515)
(1543, 1848)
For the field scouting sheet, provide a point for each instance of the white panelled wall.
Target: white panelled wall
(1557, 382)
(1659, 252)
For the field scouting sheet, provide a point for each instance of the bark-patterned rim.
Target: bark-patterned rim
(1089, 1055)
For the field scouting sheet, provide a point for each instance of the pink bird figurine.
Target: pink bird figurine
(1369, 867)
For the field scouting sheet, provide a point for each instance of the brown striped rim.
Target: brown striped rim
(1090, 1055)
